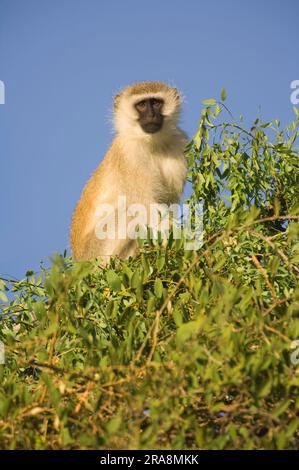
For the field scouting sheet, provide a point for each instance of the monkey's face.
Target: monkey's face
(150, 114)
(148, 111)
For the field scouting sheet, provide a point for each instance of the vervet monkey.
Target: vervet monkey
(145, 165)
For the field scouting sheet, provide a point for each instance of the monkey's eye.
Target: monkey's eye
(141, 105)
(157, 103)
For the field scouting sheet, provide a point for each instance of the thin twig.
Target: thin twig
(264, 274)
(274, 305)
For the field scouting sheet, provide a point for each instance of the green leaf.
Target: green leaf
(113, 425)
(223, 94)
(209, 102)
(113, 280)
(3, 296)
(158, 288)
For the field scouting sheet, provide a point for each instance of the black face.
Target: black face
(150, 114)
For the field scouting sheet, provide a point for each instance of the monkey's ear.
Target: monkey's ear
(116, 101)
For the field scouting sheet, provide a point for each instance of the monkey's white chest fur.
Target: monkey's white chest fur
(172, 176)
(159, 175)
(139, 176)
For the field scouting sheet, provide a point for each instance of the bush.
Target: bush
(174, 349)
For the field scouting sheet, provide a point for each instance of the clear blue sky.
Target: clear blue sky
(62, 61)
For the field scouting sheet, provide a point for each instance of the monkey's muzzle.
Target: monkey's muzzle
(151, 127)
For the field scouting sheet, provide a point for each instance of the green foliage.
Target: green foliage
(173, 349)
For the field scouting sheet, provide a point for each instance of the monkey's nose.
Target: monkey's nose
(150, 112)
